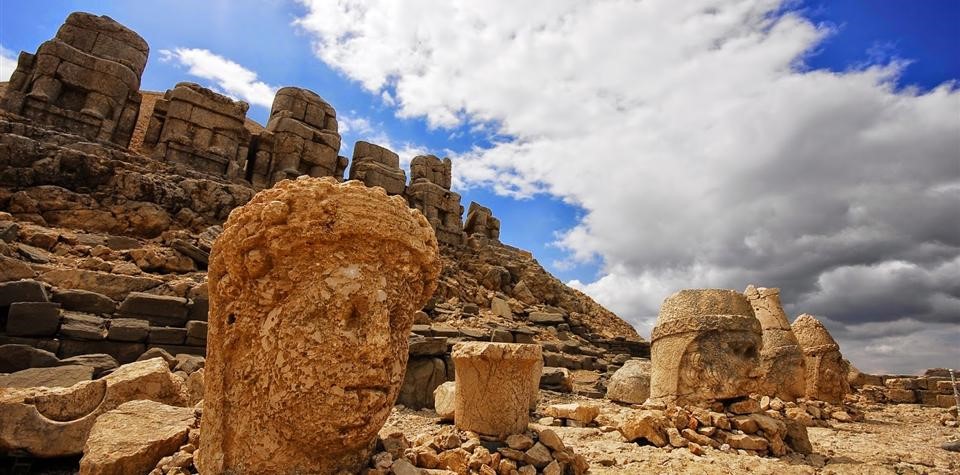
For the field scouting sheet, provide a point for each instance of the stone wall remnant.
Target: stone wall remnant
(705, 347)
(313, 285)
(201, 129)
(826, 371)
(781, 359)
(377, 166)
(85, 81)
(480, 221)
(494, 386)
(301, 138)
(429, 191)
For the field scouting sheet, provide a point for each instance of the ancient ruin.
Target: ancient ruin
(705, 347)
(826, 371)
(301, 138)
(325, 336)
(781, 359)
(377, 166)
(429, 192)
(495, 383)
(197, 127)
(85, 81)
(329, 348)
(480, 221)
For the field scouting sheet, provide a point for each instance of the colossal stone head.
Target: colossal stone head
(705, 347)
(826, 370)
(313, 286)
(781, 361)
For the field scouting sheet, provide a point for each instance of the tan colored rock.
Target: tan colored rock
(53, 377)
(445, 400)
(705, 347)
(480, 221)
(826, 373)
(649, 425)
(495, 383)
(85, 81)
(133, 437)
(377, 166)
(630, 383)
(781, 359)
(580, 412)
(55, 422)
(313, 286)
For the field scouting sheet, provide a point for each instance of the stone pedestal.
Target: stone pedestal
(313, 286)
(495, 384)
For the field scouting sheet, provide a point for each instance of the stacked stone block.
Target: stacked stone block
(377, 166)
(85, 81)
(201, 129)
(429, 192)
(480, 221)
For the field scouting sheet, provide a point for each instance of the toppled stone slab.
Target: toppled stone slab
(133, 437)
(84, 301)
(115, 286)
(546, 318)
(80, 326)
(128, 329)
(100, 362)
(52, 377)
(16, 357)
(166, 336)
(159, 310)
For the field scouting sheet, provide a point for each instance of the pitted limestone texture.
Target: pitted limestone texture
(495, 384)
(313, 285)
(705, 347)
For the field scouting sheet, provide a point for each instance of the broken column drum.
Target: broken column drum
(495, 383)
(313, 286)
(705, 347)
(781, 359)
(826, 372)
(85, 81)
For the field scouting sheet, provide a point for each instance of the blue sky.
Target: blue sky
(612, 139)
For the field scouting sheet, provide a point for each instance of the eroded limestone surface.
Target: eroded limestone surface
(826, 371)
(313, 286)
(705, 347)
(495, 384)
(781, 359)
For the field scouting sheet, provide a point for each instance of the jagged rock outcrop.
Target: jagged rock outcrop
(325, 337)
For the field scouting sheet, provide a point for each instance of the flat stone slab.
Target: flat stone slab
(128, 329)
(546, 318)
(427, 346)
(26, 290)
(16, 357)
(85, 301)
(159, 310)
(81, 326)
(115, 286)
(33, 319)
(52, 377)
(167, 336)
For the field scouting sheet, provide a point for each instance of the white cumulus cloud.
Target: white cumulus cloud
(229, 77)
(702, 150)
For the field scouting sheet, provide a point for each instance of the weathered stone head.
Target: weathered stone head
(826, 371)
(313, 286)
(706, 347)
(781, 360)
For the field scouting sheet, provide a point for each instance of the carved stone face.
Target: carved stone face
(313, 286)
(706, 347)
(722, 364)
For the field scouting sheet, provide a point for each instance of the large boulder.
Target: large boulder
(630, 383)
(55, 422)
(132, 438)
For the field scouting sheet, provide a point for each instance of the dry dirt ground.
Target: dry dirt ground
(900, 439)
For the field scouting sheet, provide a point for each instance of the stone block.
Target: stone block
(33, 319)
(501, 336)
(901, 396)
(26, 290)
(197, 342)
(946, 387)
(85, 301)
(422, 377)
(124, 352)
(128, 329)
(51, 377)
(427, 346)
(178, 349)
(199, 309)
(17, 357)
(546, 318)
(81, 326)
(167, 336)
(197, 329)
(944, 400)
(159, 310)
